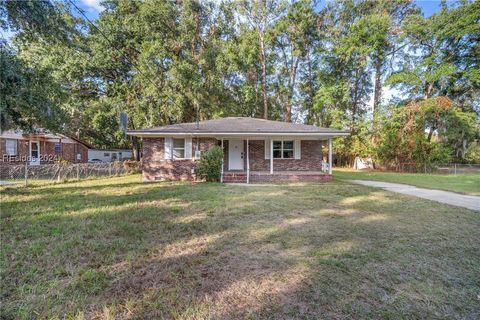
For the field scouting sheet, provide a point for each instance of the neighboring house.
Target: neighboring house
(41, 147)
(109, 155)
(255, 150)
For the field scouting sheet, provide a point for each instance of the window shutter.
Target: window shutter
(168, 148)
(267, 149)
(297, 145)
(188, 148)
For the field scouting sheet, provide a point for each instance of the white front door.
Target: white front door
(235, 155)
(34, 152)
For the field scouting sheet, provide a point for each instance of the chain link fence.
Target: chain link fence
(25, 174)
(449, 168)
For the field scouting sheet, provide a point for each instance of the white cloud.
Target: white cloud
(93, 5)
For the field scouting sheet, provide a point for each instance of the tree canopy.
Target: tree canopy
(329, 64)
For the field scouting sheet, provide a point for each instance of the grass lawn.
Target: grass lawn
(119, 248)
(462, 183)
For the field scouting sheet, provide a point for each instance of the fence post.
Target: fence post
(425, 165)
(110, 169)
(78, 171)
(26, 173)
(455, 166)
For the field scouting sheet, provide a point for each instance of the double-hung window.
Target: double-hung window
(178, 149)
(283, 149)
(58, 147)
(11, 147)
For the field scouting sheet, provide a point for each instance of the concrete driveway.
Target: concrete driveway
(452, 198)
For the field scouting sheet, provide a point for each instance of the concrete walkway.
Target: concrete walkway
(452, 198)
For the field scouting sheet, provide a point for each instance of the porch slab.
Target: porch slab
(277, 176)
(289, 176)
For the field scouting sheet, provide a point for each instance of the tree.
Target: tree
(29, 96)
(261, 16)
(443, 56)
(293, 34)
(403, 137)
(444, 62)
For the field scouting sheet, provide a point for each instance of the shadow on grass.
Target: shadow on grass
(208, 250)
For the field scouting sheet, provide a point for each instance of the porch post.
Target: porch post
(221, 171)
(271, 156)
(248, 165)
(330, 156)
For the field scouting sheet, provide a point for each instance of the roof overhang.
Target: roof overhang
(310, 135)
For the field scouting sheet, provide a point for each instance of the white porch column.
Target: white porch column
(221, 171)
(248, 164)
(271, 156)
(330, 156)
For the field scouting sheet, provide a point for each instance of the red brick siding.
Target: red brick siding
(47, 148)
(22, 152)
(156, 167)
(310, 157)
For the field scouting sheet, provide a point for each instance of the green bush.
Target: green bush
(209, 167)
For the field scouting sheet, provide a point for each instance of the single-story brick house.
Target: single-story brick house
(255, 150)
(41, 147)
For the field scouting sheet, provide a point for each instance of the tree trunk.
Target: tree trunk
(310, 91)
(264, 76)
(430, 133)
(136, 148)
(377, 95)
(291, 88)
(428, 91)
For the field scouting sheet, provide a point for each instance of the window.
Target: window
(106, 154)
(58, 147)
(11, 147)
(178, 148)
(283, 149)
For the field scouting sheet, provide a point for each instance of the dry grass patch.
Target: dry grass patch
(119, 248)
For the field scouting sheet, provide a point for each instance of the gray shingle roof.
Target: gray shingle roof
(237, 125)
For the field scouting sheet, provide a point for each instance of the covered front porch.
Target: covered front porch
(276, 159)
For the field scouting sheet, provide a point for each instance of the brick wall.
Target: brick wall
(156, 167)
(47, 148)
(310, 157)
(22, 150)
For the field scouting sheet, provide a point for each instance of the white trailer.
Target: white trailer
(109, 155)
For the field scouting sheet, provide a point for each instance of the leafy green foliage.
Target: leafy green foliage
(404, 138)
(23, 87)
(209, 167)
(164, 62)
